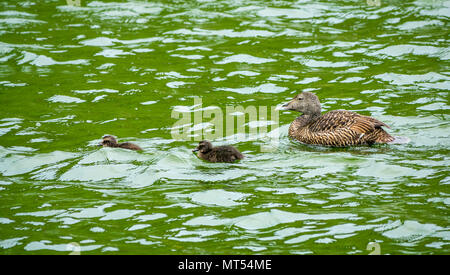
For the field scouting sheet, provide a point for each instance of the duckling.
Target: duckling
(110, 141)
(338, 128)
(223, 153)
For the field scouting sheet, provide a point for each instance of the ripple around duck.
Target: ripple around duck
(122, 68)
(21, 164)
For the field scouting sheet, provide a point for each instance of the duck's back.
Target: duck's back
(339, 128)
(130, 146)
(224, 153)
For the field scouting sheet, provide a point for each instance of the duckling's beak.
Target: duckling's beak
(195, 150)
(100, 145)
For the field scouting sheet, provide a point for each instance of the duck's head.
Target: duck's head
(305, 102)
(204, 146)
(108, 141)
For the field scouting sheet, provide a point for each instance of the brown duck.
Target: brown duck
(110, 141)
(223, 153)
(338, 128)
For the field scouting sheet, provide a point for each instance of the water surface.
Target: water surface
(69, 75)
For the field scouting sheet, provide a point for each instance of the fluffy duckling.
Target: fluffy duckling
(210, 153)
(338, 128)
(110, 141)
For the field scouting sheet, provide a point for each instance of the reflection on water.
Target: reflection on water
(73, 73)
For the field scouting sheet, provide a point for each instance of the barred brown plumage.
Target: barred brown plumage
(338, 128)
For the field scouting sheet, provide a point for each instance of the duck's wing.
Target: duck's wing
(343, 119)
(344, 128)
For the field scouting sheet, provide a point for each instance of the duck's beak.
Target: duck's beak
(99, 145)
(195, 150)
(283, 107)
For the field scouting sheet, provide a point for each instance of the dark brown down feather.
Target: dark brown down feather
(223, 153)
(110, 141)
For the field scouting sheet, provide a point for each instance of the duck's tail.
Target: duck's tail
(400, 140)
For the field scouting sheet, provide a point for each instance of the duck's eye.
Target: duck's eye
(300, 98)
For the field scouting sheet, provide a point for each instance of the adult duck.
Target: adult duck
(338, 128)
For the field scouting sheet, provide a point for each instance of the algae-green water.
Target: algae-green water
(71, 74)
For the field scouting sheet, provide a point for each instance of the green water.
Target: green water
(69, 75)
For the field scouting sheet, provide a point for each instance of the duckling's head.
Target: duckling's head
(305, 102)
(204, 147)
(108, 141)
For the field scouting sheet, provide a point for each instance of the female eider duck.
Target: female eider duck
(224, 153)
(110, 141)
(338, 128)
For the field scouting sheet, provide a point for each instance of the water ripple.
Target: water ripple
(71, 75)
